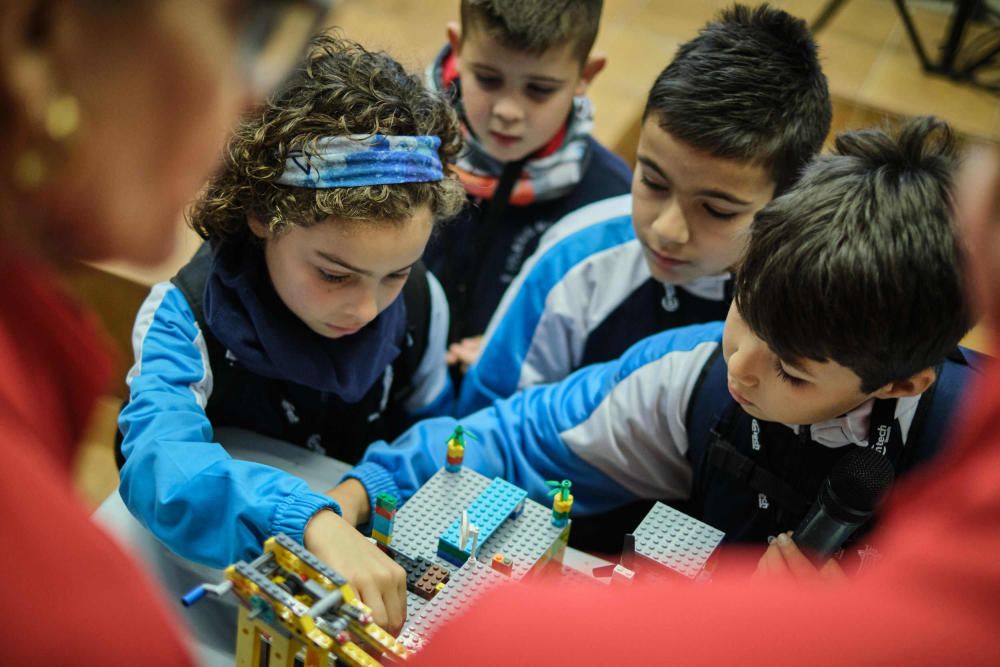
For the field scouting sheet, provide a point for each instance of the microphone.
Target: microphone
(847, 499)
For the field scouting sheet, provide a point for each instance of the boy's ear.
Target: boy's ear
(454, 33)
(258, 228)
(914, 385)
(595, 63)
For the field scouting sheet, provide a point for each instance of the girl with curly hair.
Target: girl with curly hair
(306, 316)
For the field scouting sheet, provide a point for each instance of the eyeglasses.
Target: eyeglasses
(274, 36)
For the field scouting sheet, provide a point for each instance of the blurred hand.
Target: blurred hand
(978, 217)
(379, 581)
(783, 558)
(465, 352)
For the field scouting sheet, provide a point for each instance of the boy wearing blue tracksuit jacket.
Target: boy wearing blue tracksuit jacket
(821, 352)
(705, 164)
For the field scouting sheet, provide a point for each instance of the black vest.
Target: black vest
(754, 479)
(301, 415)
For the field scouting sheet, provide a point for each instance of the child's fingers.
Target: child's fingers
(395, 606)
(798, 564)
(770, 564)
(372, 596)
(831, 571)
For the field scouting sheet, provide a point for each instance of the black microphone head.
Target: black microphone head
(860, 478)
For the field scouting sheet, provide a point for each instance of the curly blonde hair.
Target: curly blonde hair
(341, 89)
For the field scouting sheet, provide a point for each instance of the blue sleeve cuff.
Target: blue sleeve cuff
(376, 480)
(294, 513)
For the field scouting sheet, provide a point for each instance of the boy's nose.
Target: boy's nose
(507, 110)
(670, 226)
(365, 307)
(743, 367)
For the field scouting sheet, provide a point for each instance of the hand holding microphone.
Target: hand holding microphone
(847, 499)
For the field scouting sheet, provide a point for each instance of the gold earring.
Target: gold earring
(62, 118)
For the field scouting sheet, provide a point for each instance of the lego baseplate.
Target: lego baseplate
(530, 540)
(675, 540)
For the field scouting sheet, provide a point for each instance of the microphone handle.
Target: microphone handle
(820, 535)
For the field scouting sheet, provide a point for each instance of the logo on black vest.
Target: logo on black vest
(884, 433)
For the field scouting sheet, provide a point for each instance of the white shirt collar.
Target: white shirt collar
(708, 287)
(852, 428)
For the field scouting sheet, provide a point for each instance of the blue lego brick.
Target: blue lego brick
(381, 524)
(487, 512)
(451, 554)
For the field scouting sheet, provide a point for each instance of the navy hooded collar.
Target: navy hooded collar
(245, 313)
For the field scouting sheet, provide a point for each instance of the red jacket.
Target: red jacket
(68, 594)
(934, 599)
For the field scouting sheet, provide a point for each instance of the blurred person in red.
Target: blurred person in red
(112, 115)
(932, 599)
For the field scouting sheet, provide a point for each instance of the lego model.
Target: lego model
(562, 501)
(459, 535)
(291, 603)
(456, 448)
(444, 537)
(498, 519)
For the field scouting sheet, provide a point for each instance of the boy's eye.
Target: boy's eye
(785, 377)
(333, 277)
(488, 81)
(721, 215)
(396, 277)
(658, 187)
(540, 92)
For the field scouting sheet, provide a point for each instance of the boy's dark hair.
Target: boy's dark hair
(749, 87)
(535, 26)
(859, 262)
(340, 89)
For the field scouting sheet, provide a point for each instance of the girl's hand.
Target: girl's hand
(379, 581)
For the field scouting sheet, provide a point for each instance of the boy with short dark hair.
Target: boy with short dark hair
(727, 125)
(517, 71)
(843, 339)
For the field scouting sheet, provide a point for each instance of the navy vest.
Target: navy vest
(301, 415)
(754, 479)
(646, 312)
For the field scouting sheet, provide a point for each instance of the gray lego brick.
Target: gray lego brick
(525, 539)
(414, 603)
(466, 584)
(676, 540)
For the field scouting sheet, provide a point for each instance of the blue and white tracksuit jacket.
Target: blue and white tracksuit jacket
(179, 482)
(584, 297)
(638, 428)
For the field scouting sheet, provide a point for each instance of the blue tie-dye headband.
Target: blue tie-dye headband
(360, 159)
